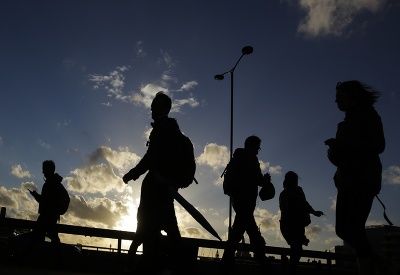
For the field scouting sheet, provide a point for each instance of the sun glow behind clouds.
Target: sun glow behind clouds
(128, 222)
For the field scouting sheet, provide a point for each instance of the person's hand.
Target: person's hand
(318, 213)
(130, 176)
(126, 178)
(267, 177)
(33, 193)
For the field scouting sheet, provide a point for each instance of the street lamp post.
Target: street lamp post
(245, 51)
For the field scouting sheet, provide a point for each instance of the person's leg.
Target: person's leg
(236, 234)
(294, 234)
(50, 225)
(136, 242)
(257, 243)
(295, 255)
(352, 210)
(174, 246)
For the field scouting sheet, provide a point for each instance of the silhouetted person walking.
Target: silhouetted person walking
(50, 201)
(156, 209)
(248, 178)
(295, 216)
(355, 152)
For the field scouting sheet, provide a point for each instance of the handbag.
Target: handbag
(267, 192)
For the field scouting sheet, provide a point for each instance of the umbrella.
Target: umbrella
(193, 212)
(185, 204)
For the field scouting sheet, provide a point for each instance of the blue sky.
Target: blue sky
(78, 78)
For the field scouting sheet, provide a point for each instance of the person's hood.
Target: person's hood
(165, 121)
(56, 178)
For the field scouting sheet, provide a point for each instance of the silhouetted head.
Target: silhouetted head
(252, 144)
(352, 94)
(161, 105)
(291, 180)
(48, 168)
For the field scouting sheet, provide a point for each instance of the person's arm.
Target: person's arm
(149, 159)
(257, 176)
(36, 195)
(309, 208)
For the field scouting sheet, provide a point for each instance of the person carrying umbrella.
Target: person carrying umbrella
(156, 209)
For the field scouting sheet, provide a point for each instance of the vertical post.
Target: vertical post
(231, 153)
(3, 213)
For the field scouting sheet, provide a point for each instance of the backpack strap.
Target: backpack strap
(384, 211)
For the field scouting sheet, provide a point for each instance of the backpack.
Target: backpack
(183, 163)
(63, 200)
(231, 182)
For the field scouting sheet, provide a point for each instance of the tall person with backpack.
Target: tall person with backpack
(170, 163)
(53, 202)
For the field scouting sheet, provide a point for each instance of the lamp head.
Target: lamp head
(247, 50)
(219, 77)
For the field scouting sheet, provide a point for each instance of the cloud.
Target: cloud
(188, 86)
(113, 82)
(194, 232)
(333, 17)
(392, 175)
(214, 155)
(275, 170)
(19, 202)
(63, 124)
(98, 175)
(266, 220)
(139, 50)
(333, 204)
(98, 212)
(17, 171)
(68, 62)
(178, 103)
(44, 144)
(146, 94)
(333, 240)
(1, 141)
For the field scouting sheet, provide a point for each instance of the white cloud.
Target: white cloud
(19, 203)
(333, 204)
(146, 94)
(392, 175)
(214, 155)
(17, 171)
(333, 17)
(139, 49)
(44, 144)
(275, 170)
(98, 175)
(177, 104)
(188, 86)
(113, 83)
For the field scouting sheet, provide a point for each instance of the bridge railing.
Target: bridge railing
(326, 256)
